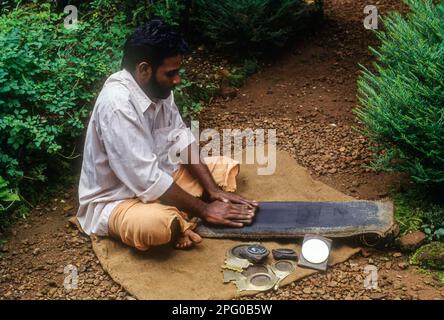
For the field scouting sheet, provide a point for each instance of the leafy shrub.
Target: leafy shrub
(49, 76)
(420, 209)
(137, 12)
(433, 225)
(402, 100)
(237, 75)
(250, 25)
(7, 196)
(190, 95)
(429, 256)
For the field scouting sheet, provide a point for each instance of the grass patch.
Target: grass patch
(419, 208)
(430, 256)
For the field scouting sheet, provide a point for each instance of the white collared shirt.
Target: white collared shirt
(126, 150)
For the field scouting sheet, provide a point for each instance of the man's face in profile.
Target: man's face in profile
(165, 77)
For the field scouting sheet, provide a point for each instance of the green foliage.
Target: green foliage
(249, 26)
(429, 256)
(402, 99)
(238, 75)
(7, 196)
(49, 76)
(191, 95)
(433, 225)
(419, 209)
(137, 12)
(250, 67)
(169, 10)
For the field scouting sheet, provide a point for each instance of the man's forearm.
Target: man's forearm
(200, 171)
(177, 197)
(203, 175)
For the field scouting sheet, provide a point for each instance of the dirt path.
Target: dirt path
(308, 97)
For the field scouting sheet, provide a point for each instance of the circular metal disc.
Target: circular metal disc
(261, 279)
(236, 251)
(315, 251)
(284, 266)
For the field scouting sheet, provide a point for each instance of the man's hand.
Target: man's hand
(229, 214)
(232, 198)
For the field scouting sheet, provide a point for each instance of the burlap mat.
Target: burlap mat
(165, 273)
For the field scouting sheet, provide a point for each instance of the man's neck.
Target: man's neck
(148, 94)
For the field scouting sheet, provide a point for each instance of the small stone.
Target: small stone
(114, 289)
(365, 253)
(68, 208)
(397, 255)
(307, 291)
(378, 296)
(36, 251)
(412, 240)
(228, 92)
(397, 285)
(403, 265)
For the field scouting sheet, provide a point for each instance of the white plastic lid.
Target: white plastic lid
(315, 251)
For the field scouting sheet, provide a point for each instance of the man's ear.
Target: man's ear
(144, 70)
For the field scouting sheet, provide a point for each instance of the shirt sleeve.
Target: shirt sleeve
(131, 157)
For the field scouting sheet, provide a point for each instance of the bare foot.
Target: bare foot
(187, 239)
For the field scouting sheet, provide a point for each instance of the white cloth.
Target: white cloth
(126, 150)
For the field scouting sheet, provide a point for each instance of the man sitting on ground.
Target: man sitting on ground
(129, 187)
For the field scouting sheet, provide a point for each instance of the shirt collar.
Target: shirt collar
(142, 101)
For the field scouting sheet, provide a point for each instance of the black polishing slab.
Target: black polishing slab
(294, 219)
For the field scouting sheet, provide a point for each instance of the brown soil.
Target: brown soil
(308, 96)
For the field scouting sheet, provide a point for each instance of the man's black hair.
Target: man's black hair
(152, 42)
